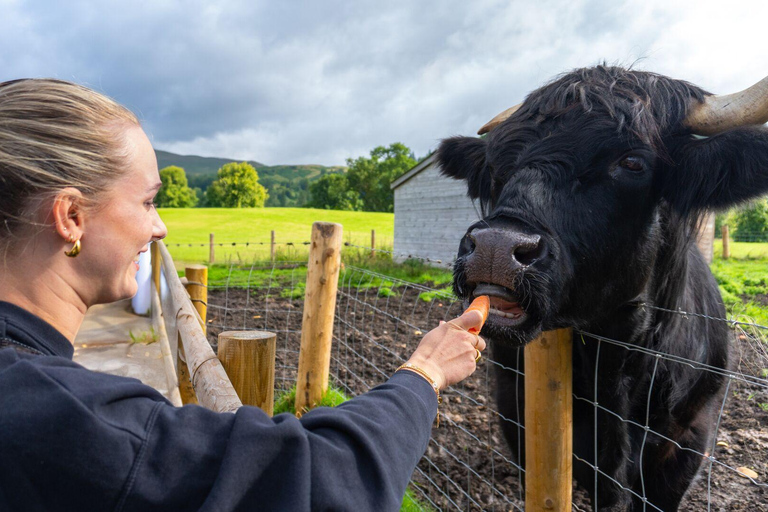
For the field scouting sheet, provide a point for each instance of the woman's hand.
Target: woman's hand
(447, 353)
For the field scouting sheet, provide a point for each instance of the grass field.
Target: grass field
(743, 250)
(253, 226)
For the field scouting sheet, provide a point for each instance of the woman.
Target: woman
(77, 181)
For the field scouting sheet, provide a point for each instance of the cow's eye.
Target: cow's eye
(632, 163)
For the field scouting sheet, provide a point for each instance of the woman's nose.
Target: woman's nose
(159, 231)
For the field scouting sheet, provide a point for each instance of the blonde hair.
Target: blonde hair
(55, 134)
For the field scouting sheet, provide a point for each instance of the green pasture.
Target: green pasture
(743, 250)
(189, 229)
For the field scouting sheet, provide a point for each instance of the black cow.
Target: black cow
(591, 191)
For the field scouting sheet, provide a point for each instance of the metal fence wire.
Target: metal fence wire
(468, 465)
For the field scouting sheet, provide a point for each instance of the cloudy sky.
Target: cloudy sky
(288, 82)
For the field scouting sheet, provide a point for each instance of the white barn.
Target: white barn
(433, 212)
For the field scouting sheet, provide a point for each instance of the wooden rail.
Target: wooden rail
(210, 382)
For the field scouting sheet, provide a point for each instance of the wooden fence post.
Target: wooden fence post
(198, 294)
(211, 251)
(373, 243)
(726, 243)
(319, 310)
(549, 422)
(197, 287)
(272, 248)
(249, 359)
(156, 265)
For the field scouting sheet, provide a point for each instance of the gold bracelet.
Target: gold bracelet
(435, 387)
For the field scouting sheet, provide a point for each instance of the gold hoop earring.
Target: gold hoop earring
(75, 249)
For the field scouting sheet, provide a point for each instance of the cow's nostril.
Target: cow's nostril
(528, 251)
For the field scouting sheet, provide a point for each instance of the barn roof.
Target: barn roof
(414, 171)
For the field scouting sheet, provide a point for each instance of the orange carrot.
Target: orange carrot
(481, 304)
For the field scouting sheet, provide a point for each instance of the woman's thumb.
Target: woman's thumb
(471, 318)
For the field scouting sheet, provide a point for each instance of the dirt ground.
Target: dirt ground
(468, 465)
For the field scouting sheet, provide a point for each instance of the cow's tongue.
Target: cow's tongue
(505, 307)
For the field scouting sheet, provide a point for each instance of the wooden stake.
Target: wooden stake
(272, 248)
(549, 422)
(156, 265)
(249, 359)
(183, 377)
(211, 251)
(726, 243)
(319, 310)
(373, 243)
(197, 287)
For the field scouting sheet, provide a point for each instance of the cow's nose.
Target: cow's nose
(513, 247)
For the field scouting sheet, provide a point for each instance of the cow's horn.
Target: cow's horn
(719, 113)
(493, 123)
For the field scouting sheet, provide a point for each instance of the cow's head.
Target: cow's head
(586, 184)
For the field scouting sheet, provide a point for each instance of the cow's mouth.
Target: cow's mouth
(505, 307)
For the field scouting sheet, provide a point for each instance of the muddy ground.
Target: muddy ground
(467, 465)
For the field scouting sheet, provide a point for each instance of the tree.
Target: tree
(371, 177)
(237, 186)
(332, 192)
(175, 191)
(752, 222)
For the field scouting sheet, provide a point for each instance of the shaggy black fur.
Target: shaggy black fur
(599, 166)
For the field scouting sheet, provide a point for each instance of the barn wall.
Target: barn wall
(432, 213)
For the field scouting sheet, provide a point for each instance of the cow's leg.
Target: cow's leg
(669, 471)
(510, 400)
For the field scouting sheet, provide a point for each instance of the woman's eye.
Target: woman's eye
(632, 163)
(150, 204)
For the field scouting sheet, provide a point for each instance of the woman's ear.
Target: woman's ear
(68, 214)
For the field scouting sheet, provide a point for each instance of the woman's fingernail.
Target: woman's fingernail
(441, 322)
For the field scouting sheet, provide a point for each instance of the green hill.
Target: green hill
(288, 185)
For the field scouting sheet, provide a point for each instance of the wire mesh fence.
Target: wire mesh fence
(282, 247)
(469, 464)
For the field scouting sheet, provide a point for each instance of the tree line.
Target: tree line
(237, 186)
(364, 186)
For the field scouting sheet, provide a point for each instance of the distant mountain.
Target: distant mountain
(288, 185)
(196, 165)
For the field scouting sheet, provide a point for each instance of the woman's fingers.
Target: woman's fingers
(449, 352)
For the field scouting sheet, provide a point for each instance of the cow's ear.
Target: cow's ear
(718, 172)
(463, 158)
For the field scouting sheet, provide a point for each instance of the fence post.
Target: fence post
(211, 251)
(156, 265)
(272, 248)
(726, 243)
(373, 243)
(549, 422)
(319, 309)
(197, 287)
(249, 359)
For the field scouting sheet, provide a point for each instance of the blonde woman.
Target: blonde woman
(77, 181)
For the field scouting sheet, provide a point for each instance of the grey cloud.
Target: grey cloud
(316, 82)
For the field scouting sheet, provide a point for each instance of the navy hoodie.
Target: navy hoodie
(73, 439)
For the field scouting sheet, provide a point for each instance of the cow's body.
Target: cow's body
(590, 194)
(684, 401)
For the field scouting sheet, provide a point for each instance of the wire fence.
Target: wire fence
(281, 247)
(469, 464)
